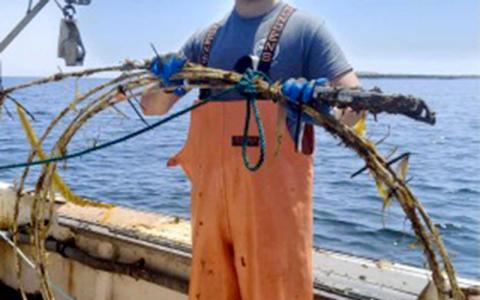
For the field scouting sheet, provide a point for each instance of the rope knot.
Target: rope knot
(247, 85)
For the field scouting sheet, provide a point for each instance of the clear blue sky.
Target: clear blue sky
(404, 36)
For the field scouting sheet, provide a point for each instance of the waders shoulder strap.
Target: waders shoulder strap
(266, 59)
(207, 44)
(205, 55)
(273, 38)
(268, 52)
(269, 48)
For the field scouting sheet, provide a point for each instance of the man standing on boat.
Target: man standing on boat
(252, 231)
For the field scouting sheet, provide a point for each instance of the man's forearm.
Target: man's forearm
(347, 116)
(156, 101)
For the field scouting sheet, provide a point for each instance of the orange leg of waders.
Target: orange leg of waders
(252, 231)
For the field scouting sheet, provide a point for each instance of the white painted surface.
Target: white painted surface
(164, 245)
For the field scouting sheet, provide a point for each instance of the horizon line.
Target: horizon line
(361, 74)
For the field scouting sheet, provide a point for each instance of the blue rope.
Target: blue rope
(245, 86)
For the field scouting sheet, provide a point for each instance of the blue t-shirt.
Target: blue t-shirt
(306, 48)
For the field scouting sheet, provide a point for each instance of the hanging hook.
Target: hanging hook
(69, 11)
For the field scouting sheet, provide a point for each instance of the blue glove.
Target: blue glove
(166, 66)
(300, 92)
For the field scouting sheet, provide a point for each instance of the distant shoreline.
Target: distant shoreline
(372, 75)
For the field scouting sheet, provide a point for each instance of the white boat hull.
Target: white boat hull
(122, 253)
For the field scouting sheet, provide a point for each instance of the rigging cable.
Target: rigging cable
(5, 235)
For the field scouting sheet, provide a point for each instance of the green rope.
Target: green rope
(252, 104)
(245, 86)
(113, 142)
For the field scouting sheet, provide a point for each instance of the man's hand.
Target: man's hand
(299, 92)
(155, 101)
(347, 116)
(167, 66)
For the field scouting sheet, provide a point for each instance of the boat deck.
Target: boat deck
(337, 275)
(118, 251)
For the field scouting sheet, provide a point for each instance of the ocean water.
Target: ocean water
(445, 166)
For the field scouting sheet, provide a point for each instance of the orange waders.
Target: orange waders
(252, 231)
